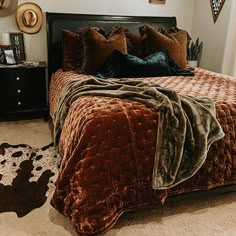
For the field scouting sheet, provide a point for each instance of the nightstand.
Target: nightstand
(23, 92)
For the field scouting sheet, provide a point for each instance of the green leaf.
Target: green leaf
(194, 49)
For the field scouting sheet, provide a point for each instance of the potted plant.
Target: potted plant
(194, 51)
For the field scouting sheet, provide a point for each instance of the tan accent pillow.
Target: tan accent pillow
(175, 42)
(97, 48)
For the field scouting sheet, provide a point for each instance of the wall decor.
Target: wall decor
(157, 1)
(9, 56)
(29, 17)
(8, 7)
(216, 6)
(17, 43)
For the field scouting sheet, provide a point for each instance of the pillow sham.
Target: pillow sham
(134, 42)
(72, 48)
(97, 48)
(175, 30)
(125, 65)
(174, 42)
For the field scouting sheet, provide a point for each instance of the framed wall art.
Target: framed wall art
(17, 43)
(216, 7)
(157, 1)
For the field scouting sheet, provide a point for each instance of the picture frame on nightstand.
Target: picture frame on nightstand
(9, 56)
(2, 56)
(17, 43)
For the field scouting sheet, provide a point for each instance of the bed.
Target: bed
(108, 144)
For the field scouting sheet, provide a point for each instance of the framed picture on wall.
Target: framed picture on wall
(157, 1)
(17, 43)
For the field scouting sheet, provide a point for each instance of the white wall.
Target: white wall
(229, 61)
(36, 48)
(212, 34)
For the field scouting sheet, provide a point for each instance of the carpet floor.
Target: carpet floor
(205, 214)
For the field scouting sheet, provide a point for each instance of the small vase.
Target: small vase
(192, 63)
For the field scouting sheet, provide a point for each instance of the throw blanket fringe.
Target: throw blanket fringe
(186, 129)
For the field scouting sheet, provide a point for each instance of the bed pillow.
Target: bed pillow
(125, 65)
(134, 44)
(97, 48)
(72, 48)
(175, 30)
(174, 42)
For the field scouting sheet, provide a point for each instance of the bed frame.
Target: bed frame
(58, 21)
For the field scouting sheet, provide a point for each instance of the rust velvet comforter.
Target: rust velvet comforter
(108, 148)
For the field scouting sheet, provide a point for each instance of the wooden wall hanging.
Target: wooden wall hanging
(157, 1)
(216, 6)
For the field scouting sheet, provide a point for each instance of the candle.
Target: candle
(4, 39)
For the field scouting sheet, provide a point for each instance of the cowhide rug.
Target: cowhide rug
(26, 174)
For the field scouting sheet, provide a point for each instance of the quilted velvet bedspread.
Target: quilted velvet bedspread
(108, 148)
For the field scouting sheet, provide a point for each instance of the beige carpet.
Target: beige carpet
(205, 214)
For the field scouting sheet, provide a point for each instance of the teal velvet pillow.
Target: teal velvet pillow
(125, 65)
(122, 65)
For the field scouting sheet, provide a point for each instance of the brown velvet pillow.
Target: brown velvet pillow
(97, 48)
(174, 41)
(72, 48)
(134, 44)
(175, 30)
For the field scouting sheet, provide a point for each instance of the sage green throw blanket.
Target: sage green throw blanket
(186, 129)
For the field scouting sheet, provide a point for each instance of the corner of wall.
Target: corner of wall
(229, 57)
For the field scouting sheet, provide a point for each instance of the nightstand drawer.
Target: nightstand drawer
(23, 81)
(24, 101)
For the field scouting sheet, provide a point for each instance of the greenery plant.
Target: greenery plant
(194, 50)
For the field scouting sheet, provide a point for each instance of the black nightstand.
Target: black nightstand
(23, 92)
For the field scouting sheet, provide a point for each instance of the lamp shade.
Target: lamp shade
(4, 38)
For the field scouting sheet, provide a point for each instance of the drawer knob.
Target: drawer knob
(19, 103)
(17, 78)
(18, 91)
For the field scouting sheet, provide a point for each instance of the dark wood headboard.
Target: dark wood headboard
(58, 21)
